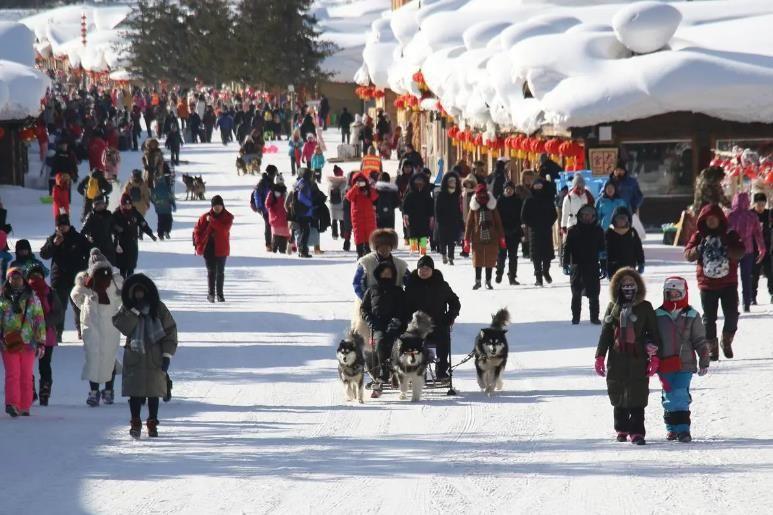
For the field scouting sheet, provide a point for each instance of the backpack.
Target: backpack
(92, 188)
(335, 196)
(716, 263)
(290, 206)
(136, 193)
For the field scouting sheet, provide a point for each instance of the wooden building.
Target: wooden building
(13, 153)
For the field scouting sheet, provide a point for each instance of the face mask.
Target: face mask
(451, 189)
(361, 184)
(277, 194)
(628, 292)
(385, 280)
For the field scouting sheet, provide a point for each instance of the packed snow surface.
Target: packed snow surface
(258, 423)
(584, 62)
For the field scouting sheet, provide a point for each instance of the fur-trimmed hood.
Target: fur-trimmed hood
(143, 282)
(490, 205)
(469, 183)
(383, 237)
(336, 182)
(385, 186)
(614, 284)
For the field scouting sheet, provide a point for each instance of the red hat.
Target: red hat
(126, 199)
(481, 188)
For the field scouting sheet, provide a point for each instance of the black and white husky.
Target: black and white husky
(491, 352)
(410, 357)
(351, 366)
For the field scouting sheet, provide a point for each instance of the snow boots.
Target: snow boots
(685, 437)
(638, 440)
(547, 277)
(136, 427)
(622, 437)
(713, 349)
(11, 410)
(107, 397)
(671, 436)
(93, 399)
(152, 424)
(45, 392)
(727, 345)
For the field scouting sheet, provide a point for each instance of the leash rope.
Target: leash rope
(465, 360)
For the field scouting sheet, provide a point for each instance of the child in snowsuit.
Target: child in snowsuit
(335, 195)
(682, 336)
(717, 251)
(623, 244)
(164, 203)
(25, 258)
(308, 150)
(746, 223)
(383, 309)
(317, 163)
(582, 248)
(763, 267)
(277, 216)
(61, 195)
(629, 322)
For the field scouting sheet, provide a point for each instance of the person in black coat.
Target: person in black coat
(550, 171)
(448, 215)
(345, 121)
(128, 222)
(582, 248)
(427, 291)
(623, 245)
(418, 213)
(496, 181)
(173, 142)
(99, 229)
(383, 309)
(388, 201)
(539, 215)
(63, 162)
(413, 157)
(194, 124)
(509, 206)
(68, 251)
(104, 188)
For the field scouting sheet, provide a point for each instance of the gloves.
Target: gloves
(640, 268)
(567, 270)
(652, 367)
(165, 362)
(599, 366)
(466, 246)
(703, 371)
(502, 243)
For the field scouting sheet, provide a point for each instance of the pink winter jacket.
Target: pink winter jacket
(277, 215)
(746, 223)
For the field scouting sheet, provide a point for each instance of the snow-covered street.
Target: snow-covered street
(258, 423)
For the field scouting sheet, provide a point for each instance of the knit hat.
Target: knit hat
(760, 197)
(217, 200)
(579, 181)
(34, 268)
(63, 219)
(97, 261)
(680, 300)
(14, 270)
(23, 245)
(338, 171)
(425, 261)
(126, 199)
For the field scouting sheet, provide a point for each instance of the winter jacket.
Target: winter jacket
(682, 334)
(277, 214)
(746, 223)
(308, 151)
(174, 141)
(382, 303)
(434, 297)
(64, 162)
(153, 163)
(259, 194)
(33, 330)
(295, 149)
(627, 189)
(388, 201)
(53, 313)
(510, 213)
(571, 206)
(100, 337)
(362, 210)
(623, 249)
(97, 147)
(403, 183)
(216, 227)
(139, 192)
(582, 249)
(163, 198)
(364, 276)
(317, 162)
(448, 211)
(67, 258)
(605, 208)
(496, 183)
(627, 381)
(766, 222)
(105, 188)
(370, 164)
(539, 215)
(142, 374)
(127, 225)
(484, 252)
(717, 252)
(99, 229)
(419, 208)
(335, 193)
(61, 197)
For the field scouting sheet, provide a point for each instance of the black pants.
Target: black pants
(510, 251)
(448, 249)
(44, 367)
(136, 134)
(541, 267)
(304, 229)
(266, 229)
(108, 385)
(174, 156)
(135, 406)
(585, 282)
(345, 136)
(63, 290)
(383, 354)
(215, 274)
(442, 340)
(362, 249)
(225, 136)
(763, 268)
(334, 227)
(710, 300)
(279, 244)
(478, 273)
(164, 224)
(629, 420)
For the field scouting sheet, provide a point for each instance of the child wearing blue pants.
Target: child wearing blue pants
(682, 336)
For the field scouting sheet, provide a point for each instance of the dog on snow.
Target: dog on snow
(351, 366)
(410, 357)
(491, 352)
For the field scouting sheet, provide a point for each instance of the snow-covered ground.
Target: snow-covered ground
(258, 424)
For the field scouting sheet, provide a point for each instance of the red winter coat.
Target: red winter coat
(217, 227)
(308, 151)
(362, 210)
(97, 148)
(61, 197)
(112, 138)
(731, 242)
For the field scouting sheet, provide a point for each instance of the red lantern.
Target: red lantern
(552, 145)
(378, 93)
(418, 77)
(538, 146)
(478, 141)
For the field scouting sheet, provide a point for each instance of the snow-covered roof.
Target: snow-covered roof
(21, 84)
(585, 62)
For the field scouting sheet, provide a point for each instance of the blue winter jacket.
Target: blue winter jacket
(605, 208)
(628, 190)
(163, 199)
(317, 162)
(304, 197)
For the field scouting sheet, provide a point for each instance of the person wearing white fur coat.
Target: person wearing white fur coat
(97, 293)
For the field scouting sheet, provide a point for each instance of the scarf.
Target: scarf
(148, 331)
(625, 334)
(484, 223)
(41, 290)
(100, 283)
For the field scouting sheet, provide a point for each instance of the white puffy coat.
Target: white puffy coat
(100, 337)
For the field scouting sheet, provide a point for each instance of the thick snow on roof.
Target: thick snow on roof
(585, 62)
(21, 84)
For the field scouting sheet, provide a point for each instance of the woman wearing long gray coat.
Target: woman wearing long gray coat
(151, 341)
